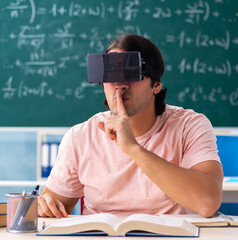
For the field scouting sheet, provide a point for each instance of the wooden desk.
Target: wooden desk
(217, 233)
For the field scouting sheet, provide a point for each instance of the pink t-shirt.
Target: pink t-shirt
(89, 164)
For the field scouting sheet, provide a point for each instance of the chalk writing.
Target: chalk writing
(212, 95)
(42, 89)
(201, 40)
(200, 67)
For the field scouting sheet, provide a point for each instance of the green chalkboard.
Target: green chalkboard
(44, 44)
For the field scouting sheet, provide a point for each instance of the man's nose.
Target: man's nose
(122, 85)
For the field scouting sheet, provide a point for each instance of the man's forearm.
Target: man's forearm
(198, 189)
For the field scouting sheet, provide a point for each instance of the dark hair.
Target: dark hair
(151, 56)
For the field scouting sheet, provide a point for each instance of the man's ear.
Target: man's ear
(157, 87)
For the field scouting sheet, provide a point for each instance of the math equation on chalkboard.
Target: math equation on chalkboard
(44, 46)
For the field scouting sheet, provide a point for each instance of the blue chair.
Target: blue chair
(78, 209)
(228, 152)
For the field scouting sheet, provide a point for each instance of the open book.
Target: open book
(109, 224)
(217, 220)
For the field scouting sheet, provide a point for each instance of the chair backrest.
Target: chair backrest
(81, 205)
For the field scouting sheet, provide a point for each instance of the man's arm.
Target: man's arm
(51, 204)
(198, 189)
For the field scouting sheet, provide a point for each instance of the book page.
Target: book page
(198, 220)
(154, 219)
(234, 220)
(157, 225)
(108, 218)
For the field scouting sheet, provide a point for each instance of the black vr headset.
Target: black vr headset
(118, 67)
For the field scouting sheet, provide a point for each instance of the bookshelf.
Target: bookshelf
(52, 135)
(48, 140)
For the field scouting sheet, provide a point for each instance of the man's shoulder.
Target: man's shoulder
(183, 115)
(171, 110)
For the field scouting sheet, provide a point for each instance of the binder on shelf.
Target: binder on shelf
(45, 159)
(53, 153)
(49, 154)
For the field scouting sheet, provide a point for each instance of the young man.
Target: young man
(142, 156)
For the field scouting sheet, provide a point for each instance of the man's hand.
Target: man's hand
(118, 127)
(48, 206)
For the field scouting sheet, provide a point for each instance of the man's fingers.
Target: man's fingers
(40, 212)
(101, 126)
(43, 209)
(61, 208)
(49, 208)
(120, 105)
(110, 133)
(53, 208)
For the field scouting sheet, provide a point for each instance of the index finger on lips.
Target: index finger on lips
(120, 105)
